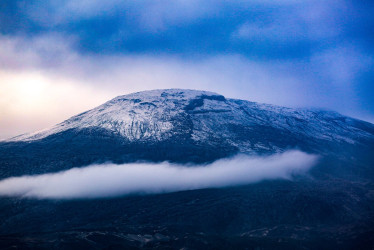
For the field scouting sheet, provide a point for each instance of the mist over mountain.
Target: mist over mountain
(330, 205)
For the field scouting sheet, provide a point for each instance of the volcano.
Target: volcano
(332, 206)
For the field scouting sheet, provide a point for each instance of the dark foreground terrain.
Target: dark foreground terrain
(267, 215)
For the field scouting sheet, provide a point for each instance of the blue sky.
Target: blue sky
(61, 57)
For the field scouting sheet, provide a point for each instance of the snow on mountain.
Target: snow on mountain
(160, 114)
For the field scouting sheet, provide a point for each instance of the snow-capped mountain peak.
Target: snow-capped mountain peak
(160, 115)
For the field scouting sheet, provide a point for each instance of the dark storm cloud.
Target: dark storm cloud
(268, 29)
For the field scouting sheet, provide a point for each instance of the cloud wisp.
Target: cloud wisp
(110, 180)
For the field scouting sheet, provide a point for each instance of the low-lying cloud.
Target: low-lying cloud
(110, 180)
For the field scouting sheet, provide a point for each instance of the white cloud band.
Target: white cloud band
(110, 180)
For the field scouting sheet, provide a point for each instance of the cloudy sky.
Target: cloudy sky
(62, 57)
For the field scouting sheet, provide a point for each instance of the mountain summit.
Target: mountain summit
(138, 116)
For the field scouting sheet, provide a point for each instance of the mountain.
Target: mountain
(330, 207)
(181, 126)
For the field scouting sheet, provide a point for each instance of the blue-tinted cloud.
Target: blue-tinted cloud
(271, 29)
